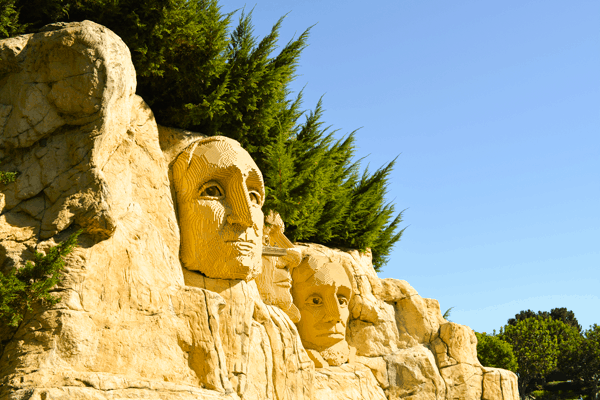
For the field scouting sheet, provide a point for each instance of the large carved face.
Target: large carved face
(220, 192)
(322, 298)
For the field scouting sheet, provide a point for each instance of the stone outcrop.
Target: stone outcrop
(132, 322)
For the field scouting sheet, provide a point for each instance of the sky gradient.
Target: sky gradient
(494, 109)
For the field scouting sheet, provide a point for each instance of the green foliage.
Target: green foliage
(535, 348)
(492, 351)
(142, 24)
(7, 177)
(314, 184)
(566, 316)
(447, 314)
(558, 391)
(543, 346)
(521, 316)
(558, 314)
(197, 73)
(9, 19)
(20, 289)
(587, 367)
(556, 360)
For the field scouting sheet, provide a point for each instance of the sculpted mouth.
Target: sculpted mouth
(244, 246)
(332, 335)
(286, 283)
(334, 332)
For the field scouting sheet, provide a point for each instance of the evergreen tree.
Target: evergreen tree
(9, 19)
(197, 73)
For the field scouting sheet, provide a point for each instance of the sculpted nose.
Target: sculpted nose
(239, 202)
(333, 312)
(290, 260)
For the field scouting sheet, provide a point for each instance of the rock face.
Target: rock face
(132, 321)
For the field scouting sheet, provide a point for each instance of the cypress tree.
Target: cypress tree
(9, 19)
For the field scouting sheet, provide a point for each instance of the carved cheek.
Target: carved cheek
(217, 209)
(345, 314)
(209, 216)
(279, 273)
(258, 218)
(265, 281)
(318, 313)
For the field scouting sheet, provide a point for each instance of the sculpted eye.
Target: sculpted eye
(255, 198)
(343, 301)
(211, 190)
(314, 301)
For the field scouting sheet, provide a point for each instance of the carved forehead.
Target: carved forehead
(319, 271)
(332, 274)
(224, 153)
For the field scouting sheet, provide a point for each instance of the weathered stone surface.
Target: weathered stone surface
(372, 339)
(72, 86)
(463, 381)
(455, 344)
(393, 290)
(103, 386)
(413, 374)
(378, 367)
(263, 353)
(499, 384)
(346, 382)
(132, 323)
(152, 393)
(418, 320)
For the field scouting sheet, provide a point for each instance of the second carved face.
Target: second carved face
(322, 292)
(275, 281)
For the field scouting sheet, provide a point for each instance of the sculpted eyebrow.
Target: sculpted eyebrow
(254, 181)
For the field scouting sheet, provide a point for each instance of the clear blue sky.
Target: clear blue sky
(494, 107)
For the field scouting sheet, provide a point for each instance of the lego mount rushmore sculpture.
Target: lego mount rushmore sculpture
(181, 287)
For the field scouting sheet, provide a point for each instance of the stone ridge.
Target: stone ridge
(132, 322)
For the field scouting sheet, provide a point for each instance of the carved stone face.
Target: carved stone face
(275, 281)
(323, 301)
(220, 192)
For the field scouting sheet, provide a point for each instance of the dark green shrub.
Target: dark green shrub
(21, 288)
(7, 177)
